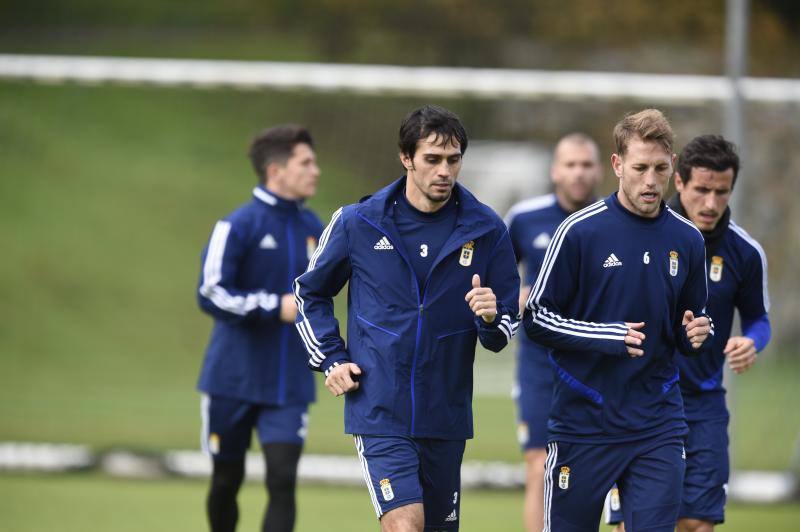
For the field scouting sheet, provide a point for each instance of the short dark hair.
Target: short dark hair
(276, 145)
(427, 120)
(708, 151)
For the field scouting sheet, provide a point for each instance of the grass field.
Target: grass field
(85, 503)
(107, 195)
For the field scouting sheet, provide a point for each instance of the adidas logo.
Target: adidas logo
(452, 517)
(541, 241)
(383, 243)
(612, 261)
(268, 242)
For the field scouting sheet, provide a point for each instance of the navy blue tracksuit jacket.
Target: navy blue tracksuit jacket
(606, 266)
(251, 259)
(415, 343)
(737, 279)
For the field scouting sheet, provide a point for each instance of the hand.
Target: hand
(634, 338)
(741, 353)
(697, 329)
(341, 379)
(482, 300)
(288, 308)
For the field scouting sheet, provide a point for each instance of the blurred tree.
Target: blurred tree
(681, 36)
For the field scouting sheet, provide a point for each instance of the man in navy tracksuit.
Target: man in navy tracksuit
(430, 271)
(575, 172)
(737, 279)
(621, 286)
(254, 374)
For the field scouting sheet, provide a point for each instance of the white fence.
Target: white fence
(395, 80)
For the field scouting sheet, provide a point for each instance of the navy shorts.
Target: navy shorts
(705, 487)
(705, 484)
(533, 394)
(228, 425)
(399, 471)
(579, 476)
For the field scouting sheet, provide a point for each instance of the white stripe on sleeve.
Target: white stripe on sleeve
(752, 241)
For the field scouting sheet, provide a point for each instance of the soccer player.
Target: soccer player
(575, 173)
(254, 375)
(431, 270)
(737, 279)
(621, 286)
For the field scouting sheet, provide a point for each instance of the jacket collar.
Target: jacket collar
(262, 195)
(471, 214)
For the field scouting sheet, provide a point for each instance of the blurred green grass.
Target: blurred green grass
(83, 503)
(108, 194)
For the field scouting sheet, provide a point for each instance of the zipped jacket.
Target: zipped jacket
(251, 260)
(415, 343)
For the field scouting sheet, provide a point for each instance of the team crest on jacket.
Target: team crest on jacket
(386, 490)
(673, 263)
(563, 478)
(311, 246)
(715, 272)
(466, 253)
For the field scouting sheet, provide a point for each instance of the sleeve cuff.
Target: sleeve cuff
(330, 362)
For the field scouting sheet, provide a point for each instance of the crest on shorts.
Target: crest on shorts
(614, 499)
(386, 490)
(466, 253)
(673, 263)
(523, 433)
(715, 272)
(213, 443)
(563, 478)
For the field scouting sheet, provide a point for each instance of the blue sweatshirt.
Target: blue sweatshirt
(531, 225)
(251, 260)
(737, 279)
(414, 342)
(606, 266)
(423, 233)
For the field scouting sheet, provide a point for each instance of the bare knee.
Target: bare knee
(619, 528)
(695, 525)
(408, 518)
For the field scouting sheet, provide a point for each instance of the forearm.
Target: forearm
(759, 330)
(552, 330)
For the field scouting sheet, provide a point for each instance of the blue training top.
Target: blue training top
(531, 225)
(606, 266)
(737, 279)
(251, 260)
(423, 233)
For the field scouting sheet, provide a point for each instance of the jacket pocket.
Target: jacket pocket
(452, 362)
(575, 385)
(374, 326)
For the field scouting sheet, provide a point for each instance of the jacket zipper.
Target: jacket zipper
(420, 306)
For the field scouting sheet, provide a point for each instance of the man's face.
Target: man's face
(433, 171)
(297, 178)
(644, 173)
(705, 196)
(576, 172)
